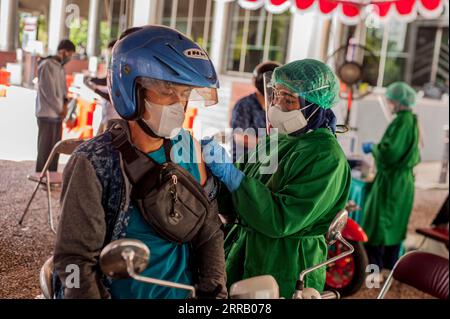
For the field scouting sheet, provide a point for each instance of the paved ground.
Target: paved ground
(23, 251)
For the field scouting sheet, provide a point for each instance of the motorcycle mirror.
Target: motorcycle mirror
(260, 287)
(113, 257)
(336, 227)
(341, 129)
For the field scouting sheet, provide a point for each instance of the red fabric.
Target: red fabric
(303, 4)
(431, 4)
(349, 9)
(277, 2)
(405, 6)
(383, 8)
(327, 6)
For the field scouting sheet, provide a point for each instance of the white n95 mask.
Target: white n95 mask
(165, 120)
(288, 122)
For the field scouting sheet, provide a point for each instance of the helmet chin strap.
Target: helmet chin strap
(147, 130)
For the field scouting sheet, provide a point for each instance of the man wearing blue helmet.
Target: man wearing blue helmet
(154, 74)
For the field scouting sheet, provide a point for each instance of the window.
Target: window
(388, 43)
(416, 53)
(255, 36)
(191, 17)
(431, 58)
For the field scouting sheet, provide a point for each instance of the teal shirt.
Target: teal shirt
(168, 261)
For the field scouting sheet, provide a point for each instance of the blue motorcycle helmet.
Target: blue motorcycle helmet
(163, 59)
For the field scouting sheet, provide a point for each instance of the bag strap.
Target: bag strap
(136, 163)
(167, 147)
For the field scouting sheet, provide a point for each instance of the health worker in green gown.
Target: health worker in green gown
(391, 197)
(284, 213)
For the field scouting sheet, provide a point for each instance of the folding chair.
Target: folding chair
(424, 271)
(47, 178)
(438, 230)
(438, 234)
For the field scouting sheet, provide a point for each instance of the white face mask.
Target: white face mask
(288, 122)
(165, 120)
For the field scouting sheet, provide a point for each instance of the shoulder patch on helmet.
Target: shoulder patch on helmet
(195, 53)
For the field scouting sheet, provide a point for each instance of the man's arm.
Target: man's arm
(81, 230)
(210, 257)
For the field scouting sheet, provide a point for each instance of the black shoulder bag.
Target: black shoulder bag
(168, 197)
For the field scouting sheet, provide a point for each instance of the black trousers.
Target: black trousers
(383, 256)
(50, 133)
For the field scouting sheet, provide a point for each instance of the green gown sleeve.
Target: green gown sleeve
(398, 142)
(308, 193)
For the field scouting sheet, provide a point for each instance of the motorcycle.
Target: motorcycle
(266, 287)
(347, 275)
(127, 258)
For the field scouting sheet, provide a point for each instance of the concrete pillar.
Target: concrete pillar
(93, 47)
(303, 36)
(144, 12)
(218, 34)
(56, 25)
(9, 25)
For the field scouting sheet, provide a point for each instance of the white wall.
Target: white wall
(56, 24)
(305, 36)
(8, 24)
(218, 34)
(370, 121)
(144, 12)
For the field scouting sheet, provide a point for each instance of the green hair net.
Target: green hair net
(311, 79)
(402, 93)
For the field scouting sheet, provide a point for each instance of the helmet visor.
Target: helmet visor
(163, 92)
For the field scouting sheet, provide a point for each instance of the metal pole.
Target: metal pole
(56, 24)
(244, 40)
(444, 167)
(173, 14)
(129, 256)
(383, 54)
(329, 261)
(267, 38)
(437, 49)
(190, 17)
(49, 202)
(413, 28)
(206, 25)
(9, 25)
(93, 28)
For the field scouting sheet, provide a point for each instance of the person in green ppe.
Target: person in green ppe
(390, 200)
(283, 214)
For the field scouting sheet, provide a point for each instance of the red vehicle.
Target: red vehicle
(347, 275)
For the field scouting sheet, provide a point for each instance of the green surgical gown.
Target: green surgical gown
(390, 200)
(283, 216)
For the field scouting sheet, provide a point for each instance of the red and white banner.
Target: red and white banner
(352, 11)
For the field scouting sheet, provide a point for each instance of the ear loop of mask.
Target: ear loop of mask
(303, 101)
(314, 112)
